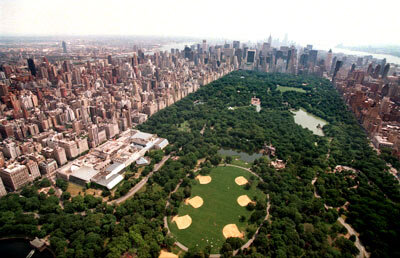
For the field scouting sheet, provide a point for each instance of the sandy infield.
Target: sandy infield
(231, 230)
(165, 254)
(196, 202)
(243, 200)
(203, 179)
(183, 221)
(241, 180)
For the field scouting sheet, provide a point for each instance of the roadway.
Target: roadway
(142, 182)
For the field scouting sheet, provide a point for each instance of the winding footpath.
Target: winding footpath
(247, 244)
(363, 252)
(139, 185)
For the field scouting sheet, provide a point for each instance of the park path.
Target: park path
(142, 182)
(247, 169)
(357, 243)
(251, 240)
(363, 253)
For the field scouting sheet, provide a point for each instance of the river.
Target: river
(389, 58)
(167, 47)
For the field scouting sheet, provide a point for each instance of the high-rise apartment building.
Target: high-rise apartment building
(15, 176)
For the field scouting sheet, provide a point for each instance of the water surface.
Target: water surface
(242, 155)
(309, 121)
(20, 248)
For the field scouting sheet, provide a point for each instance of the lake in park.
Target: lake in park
(20, 248)
(309, 121)
(243, 155)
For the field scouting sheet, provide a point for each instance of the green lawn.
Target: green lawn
(219, 209)
(238, 162)
(284, 89)
(184, 127)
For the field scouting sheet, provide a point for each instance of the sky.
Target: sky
(319, 22)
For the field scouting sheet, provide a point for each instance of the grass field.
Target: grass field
(219, 209)
(238, 162)
(184, 127)
(284, 89)
(75, 189)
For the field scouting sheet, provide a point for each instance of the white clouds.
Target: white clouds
(323, 22)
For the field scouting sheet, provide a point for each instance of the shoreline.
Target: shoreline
(28, 239)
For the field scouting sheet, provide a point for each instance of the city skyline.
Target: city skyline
(350, 23)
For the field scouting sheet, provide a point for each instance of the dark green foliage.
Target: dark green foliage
(61, 183)
(299, 224)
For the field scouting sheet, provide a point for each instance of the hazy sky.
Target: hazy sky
(320, 22)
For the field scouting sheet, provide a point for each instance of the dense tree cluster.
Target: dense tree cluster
(299, 224)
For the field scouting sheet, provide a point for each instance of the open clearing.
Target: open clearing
(285, 88)
(219, 209)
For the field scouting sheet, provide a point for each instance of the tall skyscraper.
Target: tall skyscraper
(251, 54)
(386, 70)
(236, 44)
(31, 66)
(328, 61)
(270, 40)
(204, 46)
(64, 46)
(337, 67)
(313, 54)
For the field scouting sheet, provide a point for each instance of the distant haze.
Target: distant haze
(320, 22)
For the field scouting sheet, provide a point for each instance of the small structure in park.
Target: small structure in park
(278, 164)
(38, 244)
(257, 103)
(269, 149)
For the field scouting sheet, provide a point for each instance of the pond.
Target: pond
(309, 121)
(242, 155)
(20, 248)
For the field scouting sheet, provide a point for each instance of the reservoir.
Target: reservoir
(20, 248)
(309, 121)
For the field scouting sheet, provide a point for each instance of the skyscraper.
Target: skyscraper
(251, 56)
(236, 44)
(337, 67)
(204, 46)
(31, 66)
(328, 61)
(64, 46)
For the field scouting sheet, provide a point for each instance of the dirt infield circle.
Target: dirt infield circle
(196, 202)
(165, 254)
(243, 200)
(203, 179)
(240, 180)
(231, 230)
(183, 221)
